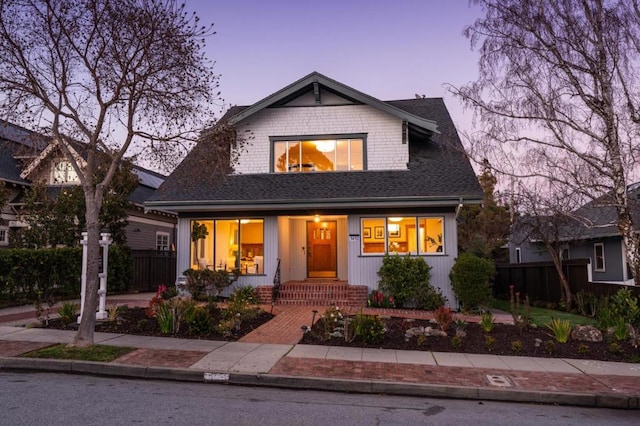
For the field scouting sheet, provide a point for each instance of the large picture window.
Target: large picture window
(402, 235)
(318, 155)
(228, 244)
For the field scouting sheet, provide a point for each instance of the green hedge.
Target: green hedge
(26, 273)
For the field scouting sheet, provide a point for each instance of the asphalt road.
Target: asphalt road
(57, 399)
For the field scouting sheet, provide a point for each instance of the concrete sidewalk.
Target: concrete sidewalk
(450, 375)
(270, 356)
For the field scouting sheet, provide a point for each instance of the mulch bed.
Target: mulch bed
(135, 321)
(475, 342)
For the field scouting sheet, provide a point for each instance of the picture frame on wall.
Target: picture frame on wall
(378, 233)
(366, 233)
(394, 232)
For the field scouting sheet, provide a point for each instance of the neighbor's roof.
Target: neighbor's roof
(439, 174)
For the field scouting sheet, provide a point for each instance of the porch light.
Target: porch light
(325, 146)
(395, 219)
(316, 219)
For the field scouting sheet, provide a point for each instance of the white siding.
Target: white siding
(385, 150)
(363, 270)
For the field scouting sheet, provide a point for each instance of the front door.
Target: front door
(321, 249)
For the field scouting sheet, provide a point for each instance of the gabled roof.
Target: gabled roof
(439, 174)
(316, 79)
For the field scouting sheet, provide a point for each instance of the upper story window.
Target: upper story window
(318, 154)
(63, 172)
(598, 249)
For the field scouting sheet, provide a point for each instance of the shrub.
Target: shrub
(625, 305)
(587, 303)
(486, 321)
(245, 294)
(404, 278)
(470, 279)
(561, 329)
(203, 282)
(430, 298)
(516, 346)
(443, 318)
(489, 342)
(549, 347)
(165, 317)
(620, 330)
(583, 349)
(378, 299)
(68, 312)
(369, 328)
(200, 322)
(456, 342)
(114, 311)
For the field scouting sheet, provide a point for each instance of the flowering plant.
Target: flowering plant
(378, 299)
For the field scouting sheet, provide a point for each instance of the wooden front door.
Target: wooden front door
(321, 249)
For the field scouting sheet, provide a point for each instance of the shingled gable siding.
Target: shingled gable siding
(384, 147)
(364, 269)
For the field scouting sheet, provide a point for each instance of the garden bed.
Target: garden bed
(502, 340)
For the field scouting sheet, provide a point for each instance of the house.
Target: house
(592, 234)
(27, 157)
(329, 180)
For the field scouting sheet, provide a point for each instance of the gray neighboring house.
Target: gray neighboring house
(599, 241)
(26, 157)
(329, 181)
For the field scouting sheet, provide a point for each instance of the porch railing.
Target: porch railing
(276, 283)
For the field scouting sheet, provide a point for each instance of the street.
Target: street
(45, 398)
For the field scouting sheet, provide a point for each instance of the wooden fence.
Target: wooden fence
(152, 268)
(541, 282)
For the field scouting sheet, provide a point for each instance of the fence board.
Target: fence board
(540, 280)
(152, 268)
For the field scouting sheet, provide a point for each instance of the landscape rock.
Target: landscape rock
(424, 331)
(586, 333)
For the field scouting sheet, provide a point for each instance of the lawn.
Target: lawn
(99, 353)
(541, 316)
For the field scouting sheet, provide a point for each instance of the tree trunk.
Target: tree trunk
(564, 283)
(84, 335)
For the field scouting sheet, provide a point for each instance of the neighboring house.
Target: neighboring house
(27, 157)
(329, 180)
(594, 236)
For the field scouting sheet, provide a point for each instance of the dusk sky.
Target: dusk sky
(387, 49)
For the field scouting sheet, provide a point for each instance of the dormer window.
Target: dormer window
(318, 154)
(63, 173)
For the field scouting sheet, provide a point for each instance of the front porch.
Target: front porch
(315, 292)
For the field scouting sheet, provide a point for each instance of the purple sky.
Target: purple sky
(385, 48)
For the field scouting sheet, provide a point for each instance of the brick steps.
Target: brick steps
(317, 293)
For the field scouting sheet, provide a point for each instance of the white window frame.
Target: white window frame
(4, 236)
(164, 235)
(387, 222)
(595, 258)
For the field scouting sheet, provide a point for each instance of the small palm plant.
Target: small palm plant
(561, 329)
(68, 312)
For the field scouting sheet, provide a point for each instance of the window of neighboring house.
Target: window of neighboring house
(63, 173)
(162, 241)
(321, 154)
(382, 235)
(564, 253)
(518, 255)
(228, 244)
(598, 250)
(4, 236)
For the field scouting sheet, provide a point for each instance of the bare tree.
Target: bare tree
(547, 217)
(107, 76)
(558, 97)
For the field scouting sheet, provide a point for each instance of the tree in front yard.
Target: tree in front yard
(558, 99)
(108, 77)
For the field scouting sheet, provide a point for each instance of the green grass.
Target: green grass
(99, 353)
(541, 316)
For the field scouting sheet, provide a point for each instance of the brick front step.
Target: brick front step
(316, 294)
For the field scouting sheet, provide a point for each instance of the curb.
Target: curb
(607, 400)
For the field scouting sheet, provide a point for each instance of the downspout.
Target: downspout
(459, 208)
